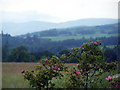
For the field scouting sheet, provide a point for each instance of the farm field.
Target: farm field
(11, 76)
(61, 38)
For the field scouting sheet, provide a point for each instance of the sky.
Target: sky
(56, 10)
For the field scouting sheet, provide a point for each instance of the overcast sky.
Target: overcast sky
(56, 10)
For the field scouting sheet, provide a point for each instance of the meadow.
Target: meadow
(12, 78)
(61, 38)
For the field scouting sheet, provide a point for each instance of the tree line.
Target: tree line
(32, 49)
(37, 44)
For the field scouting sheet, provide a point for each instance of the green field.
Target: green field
(14, 81)
(12, 78)
(61, 38)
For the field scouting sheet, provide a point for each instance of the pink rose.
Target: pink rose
(48, 62)
(77, 72)
(95, 43)
(22, 70)
(108, 78)
(56, 67)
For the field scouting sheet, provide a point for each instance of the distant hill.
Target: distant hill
(26, 27)
(89, 22)
(34, 26)
(108, 29)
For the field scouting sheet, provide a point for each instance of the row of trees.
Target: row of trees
(35, 47)
(21, 54)
(37, 44)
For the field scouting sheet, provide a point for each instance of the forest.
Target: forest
(32, 49)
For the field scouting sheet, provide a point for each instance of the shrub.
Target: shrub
(86, 74)
(45, 72)
(91, 65)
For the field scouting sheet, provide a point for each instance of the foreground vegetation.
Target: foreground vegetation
(87, 74)
(12, 75)
(92, 71)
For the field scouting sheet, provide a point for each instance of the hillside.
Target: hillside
(79, 32)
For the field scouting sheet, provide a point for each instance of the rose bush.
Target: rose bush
(45, 72)
(88, 71)
(91, 65)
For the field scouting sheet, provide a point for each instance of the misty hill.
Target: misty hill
(108, 29)
(34, 26)
(89, 22)
(22, 28)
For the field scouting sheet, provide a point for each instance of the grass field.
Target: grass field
(61, 38)
(12, 78)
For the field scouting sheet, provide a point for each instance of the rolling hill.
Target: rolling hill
(77, 32)
(34, 26)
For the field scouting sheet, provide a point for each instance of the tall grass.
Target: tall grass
(14, 81)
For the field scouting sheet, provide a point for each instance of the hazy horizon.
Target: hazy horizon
(56, 11)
